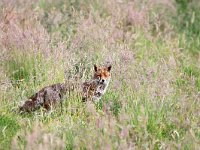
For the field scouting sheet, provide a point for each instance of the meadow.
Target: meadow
(153, 100)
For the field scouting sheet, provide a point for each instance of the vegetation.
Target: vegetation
(153, 101)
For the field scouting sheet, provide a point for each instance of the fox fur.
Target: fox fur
(92, 90)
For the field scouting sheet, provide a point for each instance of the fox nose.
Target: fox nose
(102, 80)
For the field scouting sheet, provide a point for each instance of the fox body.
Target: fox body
(46, 97)
(50, 95)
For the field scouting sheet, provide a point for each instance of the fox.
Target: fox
(97, 87)
(49, 96)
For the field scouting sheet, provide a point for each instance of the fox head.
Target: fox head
(102, 74)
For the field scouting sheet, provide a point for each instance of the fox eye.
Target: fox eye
(98, 77)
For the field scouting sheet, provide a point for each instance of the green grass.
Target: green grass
(8, 127)
(152, 101)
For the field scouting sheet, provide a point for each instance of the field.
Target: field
(153, 100)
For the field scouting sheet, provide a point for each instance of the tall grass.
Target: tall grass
(188, 24)
(153, 99)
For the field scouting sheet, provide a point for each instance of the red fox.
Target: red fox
(50, 95)
(96, 88)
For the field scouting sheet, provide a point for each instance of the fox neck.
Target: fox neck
(106, 85)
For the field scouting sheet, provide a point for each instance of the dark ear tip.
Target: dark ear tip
(95, 67)
(109, 67)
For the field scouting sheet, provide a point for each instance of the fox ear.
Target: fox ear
(109, 67)
(95, 67)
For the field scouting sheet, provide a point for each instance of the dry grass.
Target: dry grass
(152, 101)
